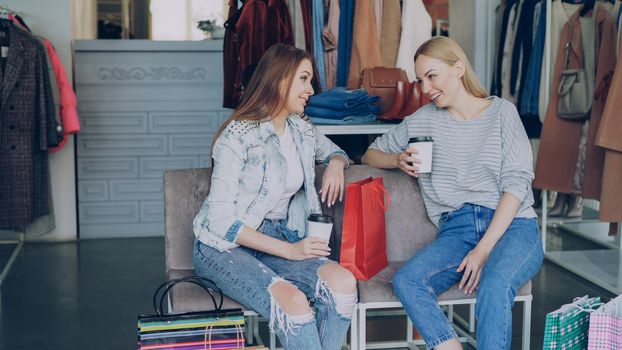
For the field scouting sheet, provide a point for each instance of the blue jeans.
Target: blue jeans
(516, 258)
(245, 275)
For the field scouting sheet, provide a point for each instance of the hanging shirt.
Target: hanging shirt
(294, 177)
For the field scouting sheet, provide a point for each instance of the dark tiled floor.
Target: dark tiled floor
(86, 295)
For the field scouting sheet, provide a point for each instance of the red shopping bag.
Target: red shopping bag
(364, 241)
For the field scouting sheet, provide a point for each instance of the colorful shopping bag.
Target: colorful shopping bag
(214, 329)
(567, 327)
(606, 326)
(364, 241)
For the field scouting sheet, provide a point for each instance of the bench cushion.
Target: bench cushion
(380, 289)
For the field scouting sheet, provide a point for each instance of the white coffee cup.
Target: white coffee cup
(320, 226)
(423, 144)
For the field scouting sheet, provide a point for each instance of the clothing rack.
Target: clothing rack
(602, 267)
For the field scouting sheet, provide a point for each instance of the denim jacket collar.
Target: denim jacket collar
(266, 128)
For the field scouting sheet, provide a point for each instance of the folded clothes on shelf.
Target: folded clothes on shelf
(348, 120)
(340, 114)
(340, 98)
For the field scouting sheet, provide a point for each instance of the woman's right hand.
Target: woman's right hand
(310, 247)
(407, 162)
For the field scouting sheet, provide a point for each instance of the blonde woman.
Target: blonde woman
(478, 194)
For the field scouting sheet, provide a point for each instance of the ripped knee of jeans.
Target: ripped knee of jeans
(288, 324)
(343, 302)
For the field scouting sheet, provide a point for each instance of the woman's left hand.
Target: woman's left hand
(472, 266)
(333, 181)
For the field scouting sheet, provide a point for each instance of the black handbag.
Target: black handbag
(218, 328)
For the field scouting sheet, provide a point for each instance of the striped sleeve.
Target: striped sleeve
(394, 141)
(517, 162)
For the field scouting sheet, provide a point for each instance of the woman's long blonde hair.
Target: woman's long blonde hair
(447, 50)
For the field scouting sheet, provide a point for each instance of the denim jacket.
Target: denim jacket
(249, 177)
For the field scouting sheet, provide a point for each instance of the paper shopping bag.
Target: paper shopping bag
(567, 327)
(211, 329)
(606, 326)
(364, 241)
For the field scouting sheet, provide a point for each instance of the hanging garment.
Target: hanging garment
(416, 29)
(503, 16)
(608, 137)
(530, 86)
(559, 145)
(230, 55)
(318, 45)
(307, 22)
(391, 31)
(605, 64)
(68, 102)
(522, 46)
(506, 65)
(344, 45)
(295, 13)
(254, 28)
(330, 40)
(278, 23)
(377, 4)
(365, 47)
(25, 110)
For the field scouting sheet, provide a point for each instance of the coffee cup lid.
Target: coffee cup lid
(421, 139)
(327, 219)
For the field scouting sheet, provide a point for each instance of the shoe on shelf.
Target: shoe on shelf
(575, 206)
(560, 207)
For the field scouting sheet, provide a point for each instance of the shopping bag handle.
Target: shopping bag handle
(196, 280)
(386, 196)
(580, 303)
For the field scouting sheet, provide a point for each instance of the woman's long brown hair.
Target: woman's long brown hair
(267, 89)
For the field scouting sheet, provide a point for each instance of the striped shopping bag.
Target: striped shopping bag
(606, 326)
(213, 329)
(567, 327)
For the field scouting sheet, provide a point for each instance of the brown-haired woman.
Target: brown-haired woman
(252, 228)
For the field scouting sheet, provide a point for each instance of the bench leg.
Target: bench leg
(472, 318)
(409, 330)
(362, 343)
(272, 341)
(526, 324)
(354, 327)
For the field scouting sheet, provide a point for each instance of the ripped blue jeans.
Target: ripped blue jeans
(246, 275)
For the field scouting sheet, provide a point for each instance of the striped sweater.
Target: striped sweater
(473, 161)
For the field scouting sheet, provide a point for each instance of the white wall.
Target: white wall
(52, 19)
(471, 24)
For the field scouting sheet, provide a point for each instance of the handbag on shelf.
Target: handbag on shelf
(575, 91)
(399, 98)
(213, 329)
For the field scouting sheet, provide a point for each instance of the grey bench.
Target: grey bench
(408, 230)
